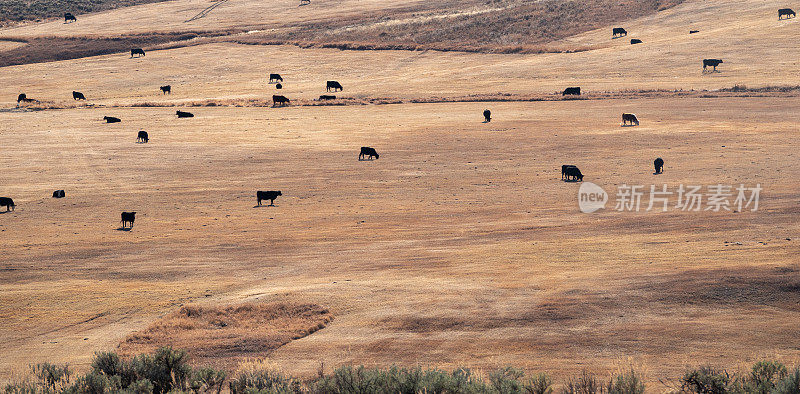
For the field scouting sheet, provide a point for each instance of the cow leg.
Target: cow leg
(272, 202)
(259, 202)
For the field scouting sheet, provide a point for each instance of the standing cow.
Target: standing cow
(564, 169)
(368, 152)
(574, 91)
(630, 118)
(166, 89)
(111, 119)
(275, 78)
(59, 194)
(787, 12)
(137, 51)
(78, 96)
(487, 115)
(711, 63)
(659, 165)
(618, 32)
(68, 17)
(333, 85)
(278, 100)
(184, 114)
(8, 203)
(128, 218)
(142, 137)
(268, 195)
(635, 41)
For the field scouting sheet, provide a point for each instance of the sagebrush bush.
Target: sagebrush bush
(628, 382)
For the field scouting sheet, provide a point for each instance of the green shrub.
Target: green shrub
(626, 383)
(262, 381)
(764, 377)
(207, 380)
(539, 384)
(790, 384)
(706, 380)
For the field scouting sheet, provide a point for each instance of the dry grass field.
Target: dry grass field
(460, 246)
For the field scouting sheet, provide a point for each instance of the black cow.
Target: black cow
(787, 12)
(8, 203)
(24, 98)
(279, 100)
(629, 118)
(137, 51)
(111, 119)
(487, 115)
(78, 96)
(183, 114)
(635, 41)
(142, 137)
(333, 85)
(275, 78)
(659, 165)
(618, 32)
(268, 195)
(128, 218)
(278, 86)
(327, 97)
(694, 31)
(564, 169)
(59, 194)
(576, 91)
(368, 152)
(68, 17)
(711, 63)
(166, 89)
(573, 174)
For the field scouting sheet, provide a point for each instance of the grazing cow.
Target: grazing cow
(487, 115)
(279, 100)
(278, 86)
(182, 114)
(24, 98)
(564, 169)
(711, 63)
(576, 91)
(618, 32)
(128, 218)
(8, 203)
(111, 119)
(368, 152)
(142, 137)
(305, 2)
(268, 195)
(327, 97)
(166, 89)
(59, 194)
(573, 174)
(68, 17)
(78, 96)
(333, 85)
(275, 78)
(629, 118)
(659, 165)
(137, 51)
(787, 12)
(635, 41)
(694, 31)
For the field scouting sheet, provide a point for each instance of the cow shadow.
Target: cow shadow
(124, 228)
(572, 180)
(264, 205)
(658, 173)
(628, 125)
(5, 212)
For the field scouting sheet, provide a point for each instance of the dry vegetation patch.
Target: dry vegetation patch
(26, 10)
(223, 336)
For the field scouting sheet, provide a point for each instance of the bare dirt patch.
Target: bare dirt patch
(223, 336)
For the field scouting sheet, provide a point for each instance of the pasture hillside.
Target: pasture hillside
(453, 25)
(460, 246)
